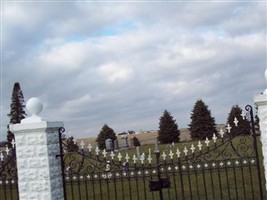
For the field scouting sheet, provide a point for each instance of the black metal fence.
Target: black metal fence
(8, 175)
(220, 168)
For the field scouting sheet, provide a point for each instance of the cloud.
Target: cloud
(68, 56)
(125, 63)
(113, 72)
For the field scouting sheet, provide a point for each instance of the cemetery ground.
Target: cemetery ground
(220, 183)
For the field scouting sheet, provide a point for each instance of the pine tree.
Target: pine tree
(202, 123)
(168, 129)
(243, 126)
(71, 145)
(17, 112)
(105, 133)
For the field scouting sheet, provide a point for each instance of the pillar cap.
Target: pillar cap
(34, 106)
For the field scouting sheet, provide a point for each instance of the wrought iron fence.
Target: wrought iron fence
(8, 174)
(220, 168)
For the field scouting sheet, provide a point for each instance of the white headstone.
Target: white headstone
(109, 144)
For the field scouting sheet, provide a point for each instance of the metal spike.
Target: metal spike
(221, 133)
(178, 153)
(13, 143)
(7, 150)
(112, 155)
(192, 148)
(89, 147)
(1, 156)
(214, 137)
(185, 151)
(104, 153)
(82, 144)
(171, 154)
(149, 158)
(164, 155)
(228, 128)
(97, 151)
(127, 157)
(134, 158)
(199, 145)
(235, 121)
(207, 141)
(119, 156)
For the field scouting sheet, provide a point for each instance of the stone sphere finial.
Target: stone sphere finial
(34, 106)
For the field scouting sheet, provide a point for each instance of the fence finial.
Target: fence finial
(34, 106)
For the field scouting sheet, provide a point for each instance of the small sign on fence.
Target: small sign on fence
(162, 183)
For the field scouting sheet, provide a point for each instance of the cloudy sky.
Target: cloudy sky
(124, 63)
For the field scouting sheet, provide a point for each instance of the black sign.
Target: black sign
(156, 185)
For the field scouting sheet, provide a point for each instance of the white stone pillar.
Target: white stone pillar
(37, 144)
(261, 102)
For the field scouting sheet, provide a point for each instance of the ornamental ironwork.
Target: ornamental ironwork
(206, 169)
(8, 174)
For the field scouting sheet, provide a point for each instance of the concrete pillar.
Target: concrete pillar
(261, 102)
(37, 144)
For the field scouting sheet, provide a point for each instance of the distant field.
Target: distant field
(144, 138)
(150, 137)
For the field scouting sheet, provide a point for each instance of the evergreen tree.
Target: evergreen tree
(17, 112)
(202, 123)
(243, 126)
(168, 129)
(105, 133)
(136, 142)
(71, 145)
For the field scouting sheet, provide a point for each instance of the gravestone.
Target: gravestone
(124, 142)
(109, 145)
(131, 143)
(116, 146)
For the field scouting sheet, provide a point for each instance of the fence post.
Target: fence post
(261, 102)
(37, 144)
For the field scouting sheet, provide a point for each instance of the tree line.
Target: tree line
(202, 123)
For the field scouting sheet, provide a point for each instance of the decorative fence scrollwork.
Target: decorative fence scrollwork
(224, 167)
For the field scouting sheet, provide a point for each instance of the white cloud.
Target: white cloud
(76, 103)
(115, 73)
(69, 56)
